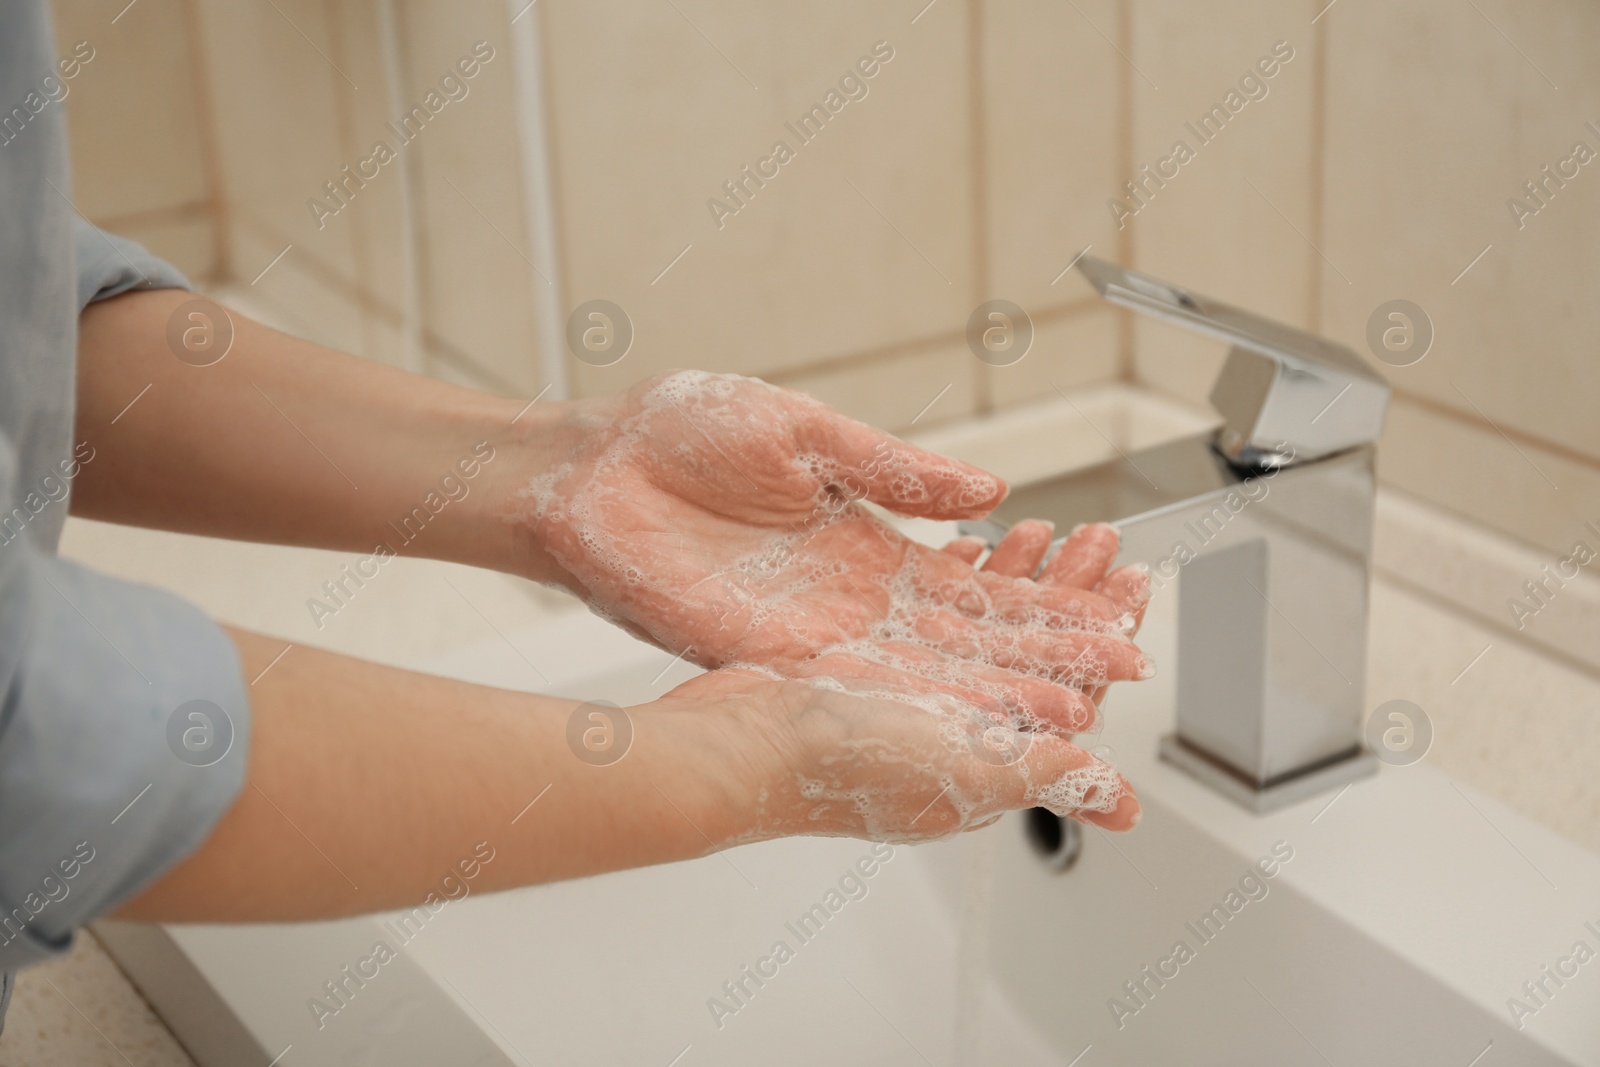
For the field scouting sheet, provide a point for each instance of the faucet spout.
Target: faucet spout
(1265, 527)
(1270, 567)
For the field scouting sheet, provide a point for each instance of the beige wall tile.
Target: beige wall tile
(1032, 442)
(301, 292)
(1435, 120)
(1226, 224)
(371, 222)
(132, 113)
(1461, 464)
(1052, 144)
(920, 388)
(650, 121)
(278, 113)
(480, 273)
(187, 243)
(476, 275)
(1070, 348)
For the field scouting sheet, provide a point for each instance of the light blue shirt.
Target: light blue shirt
(104, 782)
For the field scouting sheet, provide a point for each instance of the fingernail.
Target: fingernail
(1147, 667)
(1125, 816)
(1126, 624)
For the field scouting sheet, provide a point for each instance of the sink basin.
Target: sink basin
(1398, 918)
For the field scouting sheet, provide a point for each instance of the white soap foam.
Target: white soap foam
(910, 619)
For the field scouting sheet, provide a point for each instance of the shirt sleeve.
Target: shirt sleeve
(124, 718)
(109, 265)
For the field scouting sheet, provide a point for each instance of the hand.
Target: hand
(863, 759)
(1083, 562)
(720, 518)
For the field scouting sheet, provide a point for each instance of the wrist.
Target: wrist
(516, 443)
(531, 442)
(710, 784)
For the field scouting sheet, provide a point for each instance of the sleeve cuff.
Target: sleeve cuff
(123, 739)
(109, 265)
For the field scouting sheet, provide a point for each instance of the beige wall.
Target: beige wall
(981, 161)
(141, 165)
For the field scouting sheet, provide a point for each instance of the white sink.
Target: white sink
(1411, 910)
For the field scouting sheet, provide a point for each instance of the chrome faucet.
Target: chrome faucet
(1267, 525)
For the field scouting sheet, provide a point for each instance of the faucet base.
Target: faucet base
(1360, 763)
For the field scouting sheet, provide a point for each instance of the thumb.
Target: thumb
(1073, 783)
(901, 477)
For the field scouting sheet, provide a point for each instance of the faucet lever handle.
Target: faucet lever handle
(1285, 395)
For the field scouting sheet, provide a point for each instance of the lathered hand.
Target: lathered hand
(722, 518)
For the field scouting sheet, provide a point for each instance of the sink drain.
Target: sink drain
(1056, 841)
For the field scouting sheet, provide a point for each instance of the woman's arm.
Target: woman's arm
(368, 784)
(717, 516)
(286, 441)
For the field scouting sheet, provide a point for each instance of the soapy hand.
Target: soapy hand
(1083, 562)
(870, 760)
(721, 518)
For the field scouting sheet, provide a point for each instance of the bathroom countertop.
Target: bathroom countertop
(81, 1011)
(1509, 719)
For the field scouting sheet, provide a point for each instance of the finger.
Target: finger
(1080, 658)
(967, 549)
(1021, 600)
(1084, 557)
(1021, 550)
(1058, 775)
(947, 581)
(712, 683)
(847, 666)
(901, 477)
(1127, 587)
(991, 688)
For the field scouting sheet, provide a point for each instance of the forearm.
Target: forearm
(286, 441)
(367, 784)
